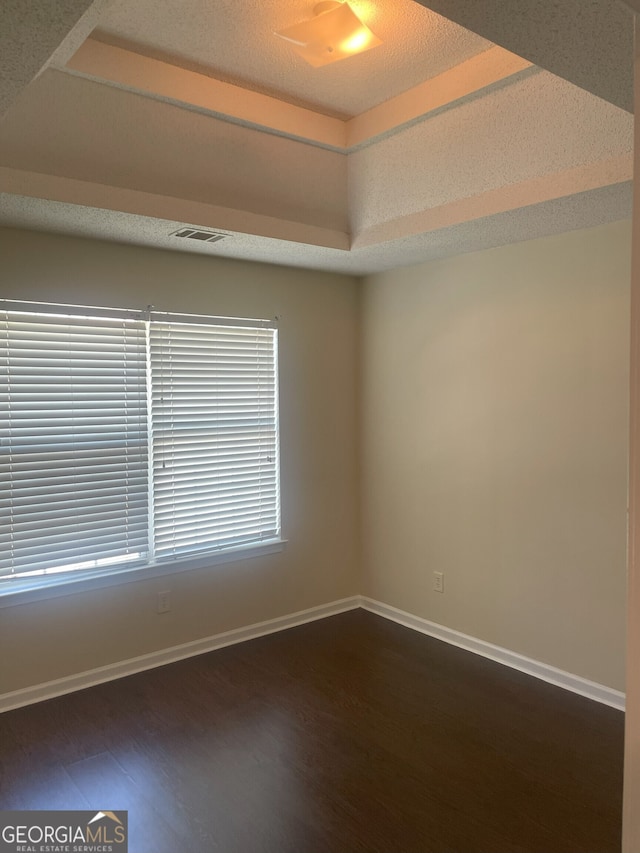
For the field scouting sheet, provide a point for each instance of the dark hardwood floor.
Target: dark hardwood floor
(347, 734)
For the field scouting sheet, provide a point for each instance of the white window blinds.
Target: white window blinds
(214, 436)
(128, 437)
(73, 447)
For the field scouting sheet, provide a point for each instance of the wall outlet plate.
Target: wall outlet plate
(163, 602)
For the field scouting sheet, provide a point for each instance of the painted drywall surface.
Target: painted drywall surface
(589, 42)
(32, 35)
(101, 134)
(630, 813)
(494, 413)
(531, 128)
(318, 350)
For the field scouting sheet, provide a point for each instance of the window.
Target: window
(132, 439)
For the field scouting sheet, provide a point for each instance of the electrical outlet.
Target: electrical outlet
(163, 604)
(438, 582)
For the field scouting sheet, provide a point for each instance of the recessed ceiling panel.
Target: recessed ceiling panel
(234, 41)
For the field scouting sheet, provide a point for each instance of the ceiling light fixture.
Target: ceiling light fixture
(334, 33)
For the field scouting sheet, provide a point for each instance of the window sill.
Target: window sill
(24, 592)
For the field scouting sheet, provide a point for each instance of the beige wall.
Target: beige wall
(486, 422)
(494, 413)
(631, 813)
(318, 352)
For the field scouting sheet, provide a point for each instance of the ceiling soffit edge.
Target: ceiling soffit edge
(589, 209)
(115, 66)
(511, 197)
(593, 176)
(66, 190)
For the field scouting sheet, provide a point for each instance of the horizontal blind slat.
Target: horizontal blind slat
(73, 446)
(214, 436)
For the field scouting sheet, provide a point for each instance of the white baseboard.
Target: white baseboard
(543, 671)
(51, 689)
(81, 680)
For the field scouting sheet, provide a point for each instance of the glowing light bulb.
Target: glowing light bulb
(357, 42)
(334, 33)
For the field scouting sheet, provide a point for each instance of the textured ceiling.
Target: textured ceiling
(32, 33)
(582, 210)
(451, 144)
(589, 42)
(537, 126)
(234, 41)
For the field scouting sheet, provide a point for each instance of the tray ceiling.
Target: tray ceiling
(235, 42)
(151, 117)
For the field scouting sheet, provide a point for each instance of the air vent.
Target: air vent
(203, 236)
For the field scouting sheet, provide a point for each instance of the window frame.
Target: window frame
(27, 589)
(88, 580)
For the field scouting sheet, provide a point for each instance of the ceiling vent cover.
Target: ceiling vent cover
(202, 236)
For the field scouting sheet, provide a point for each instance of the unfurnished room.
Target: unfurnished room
(319, 427)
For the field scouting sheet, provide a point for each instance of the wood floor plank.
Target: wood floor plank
(39, 786)
(106, 786)
(345, 735)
